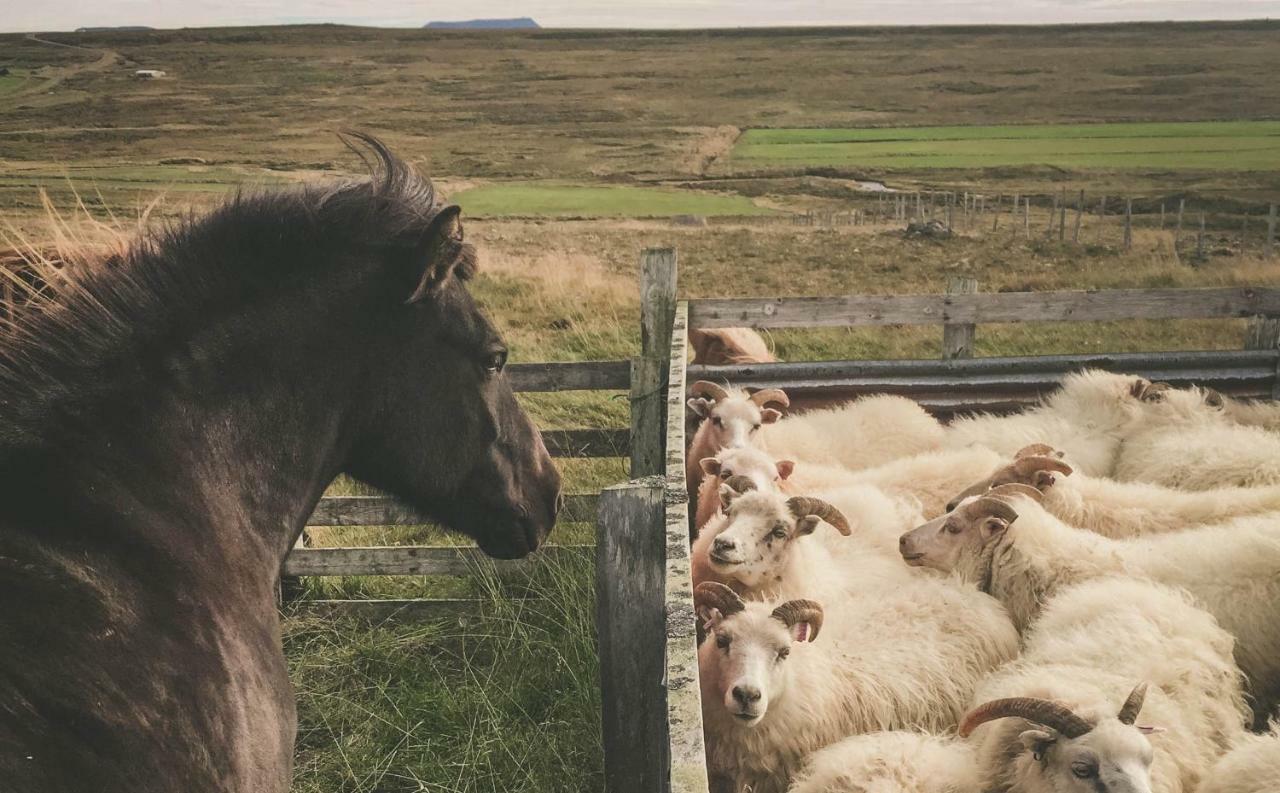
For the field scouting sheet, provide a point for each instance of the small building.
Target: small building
(148, 74)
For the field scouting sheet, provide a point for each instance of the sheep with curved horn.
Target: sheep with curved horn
(781, 680)
(1048, 722)
(1007, 544)
(1123, 509)
(731, 419)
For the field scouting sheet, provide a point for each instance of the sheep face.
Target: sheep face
(734, 420)
(761, 533)
(743, 660)
(1051, 749)
(948, 542)
(750, 462)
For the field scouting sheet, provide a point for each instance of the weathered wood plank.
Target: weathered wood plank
(570, 376)
(957, 338)
(388, 511)
(984, 307)
(649, 371)
(587, 442)
(630, 617)
(413, 560)
(687, 750)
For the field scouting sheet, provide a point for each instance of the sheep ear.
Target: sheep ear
(786, 468)
(992, 527)
(769, 415)
(710, 465)
(701, 406)
(1043, 480)
(806, 525)
(800, 631)
(1036, 742)
(710, 617)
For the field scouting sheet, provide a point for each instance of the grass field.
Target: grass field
(1230, 146)
(559, 200)
(527, 130)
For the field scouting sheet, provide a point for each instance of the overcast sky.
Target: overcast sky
(26, 15)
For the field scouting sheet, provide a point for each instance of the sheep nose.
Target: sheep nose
(746, 695)
(903, 543)
(724, 544)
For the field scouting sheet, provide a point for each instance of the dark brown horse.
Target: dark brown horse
(167, 423)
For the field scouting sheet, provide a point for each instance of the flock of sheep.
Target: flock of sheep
(1084, 596)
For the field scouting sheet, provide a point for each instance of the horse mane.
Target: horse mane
(81, 318)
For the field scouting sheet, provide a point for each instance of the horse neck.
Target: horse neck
(227, 455)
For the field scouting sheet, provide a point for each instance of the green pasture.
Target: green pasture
(576, 200)
(1230, 146)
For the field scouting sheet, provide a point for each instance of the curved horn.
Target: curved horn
(794, 611)
(800, 506)
(1040, 711)
(767, 395)
(988, 505)
(1129, 710)
(1026, 466)
(1016, 489)
(740, 483)
(1037, 450)
(1148, 391)
(712, 594)
(705, 388)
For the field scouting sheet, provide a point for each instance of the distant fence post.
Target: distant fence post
(1128, 224)
(1270, 248)
(957, 339)
(649, 371)
(631, 624)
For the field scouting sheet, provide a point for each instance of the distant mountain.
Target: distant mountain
(125, 28)
(520, 23)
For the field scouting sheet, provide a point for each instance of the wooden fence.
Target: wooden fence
(653, 720)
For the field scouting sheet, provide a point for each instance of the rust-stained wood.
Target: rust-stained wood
(413, 560)
(984, 307)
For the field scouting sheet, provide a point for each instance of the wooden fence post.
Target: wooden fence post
(1200, 240)
(1177, 229)
(1075, 232)
(649, 371)
(1263, 333)
(1128, 224)
(631, 624)
(1026, 217)
(1062, 217)
(1102, 217)
(957, 339)
(1270, 248)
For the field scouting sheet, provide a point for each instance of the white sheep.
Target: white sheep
(1197, 450)
(1252, 766)
(1050, 722)
(1232, 569)
(1121, 509)
(929, 479)
(770, 697)
(1087, 418)
(731, 419)
(890, 762)
(863, 433)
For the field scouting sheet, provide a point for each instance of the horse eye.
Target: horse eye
(495, 361)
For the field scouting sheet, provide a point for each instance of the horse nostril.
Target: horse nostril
(746, 695)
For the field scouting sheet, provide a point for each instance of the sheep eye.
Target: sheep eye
(723, 641)
(1084, 770)
(717, 421)
(755, 427)
(954, 528)
(779, 532)
(783, 653)
(725, 474)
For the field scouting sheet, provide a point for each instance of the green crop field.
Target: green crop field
(1227, 146)
(532, 198)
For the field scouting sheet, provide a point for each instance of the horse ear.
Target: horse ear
(439, 252)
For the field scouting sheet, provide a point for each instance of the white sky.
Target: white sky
(25, 15)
